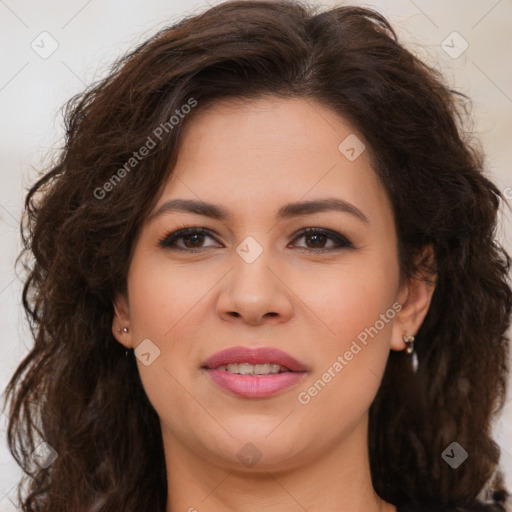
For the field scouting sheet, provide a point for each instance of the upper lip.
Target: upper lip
(259, 355)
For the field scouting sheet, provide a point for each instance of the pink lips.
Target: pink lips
(255, 386)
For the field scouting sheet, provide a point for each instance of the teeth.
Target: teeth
(253, 369)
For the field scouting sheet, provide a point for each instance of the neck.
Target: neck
(338, 480)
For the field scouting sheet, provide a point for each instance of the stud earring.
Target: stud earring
(409, 349)
(125, 330)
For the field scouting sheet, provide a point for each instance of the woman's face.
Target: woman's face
(329, 299)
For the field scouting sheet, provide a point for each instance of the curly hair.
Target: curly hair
(77, 391)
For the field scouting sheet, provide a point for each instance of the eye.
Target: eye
(318, 238)
(193, 238)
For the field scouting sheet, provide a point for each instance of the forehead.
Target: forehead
(254, 154)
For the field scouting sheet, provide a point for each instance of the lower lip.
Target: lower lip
(250, 386)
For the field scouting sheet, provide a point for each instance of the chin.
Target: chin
(257, 452)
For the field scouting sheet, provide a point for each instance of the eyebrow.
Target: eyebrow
(287, 211)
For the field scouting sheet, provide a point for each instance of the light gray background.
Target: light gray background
(91, 34)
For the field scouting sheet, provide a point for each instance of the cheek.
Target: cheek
(161, 297)
(164, 309)
(357, 309)
(349, 299)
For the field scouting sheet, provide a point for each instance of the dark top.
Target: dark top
(476, 507)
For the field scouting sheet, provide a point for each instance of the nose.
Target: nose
(255, 293)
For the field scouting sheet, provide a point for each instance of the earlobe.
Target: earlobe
(415, 297)
(121, 321)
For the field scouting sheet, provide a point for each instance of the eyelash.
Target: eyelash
(168, 241)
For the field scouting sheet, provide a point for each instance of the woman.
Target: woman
(265, 277)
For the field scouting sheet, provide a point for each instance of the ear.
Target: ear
(122, 320)
(415, 296)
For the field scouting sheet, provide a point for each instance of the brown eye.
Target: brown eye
(193, 238)
(317, 238)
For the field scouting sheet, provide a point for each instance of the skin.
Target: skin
(253, 157)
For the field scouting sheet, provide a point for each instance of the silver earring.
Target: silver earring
(409, 349)
(125, 330)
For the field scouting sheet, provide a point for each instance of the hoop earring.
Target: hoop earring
(409, 349)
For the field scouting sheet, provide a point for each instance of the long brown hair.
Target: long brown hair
(78, 392)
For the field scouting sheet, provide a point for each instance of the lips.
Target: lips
(254, 386)
(259, 355)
